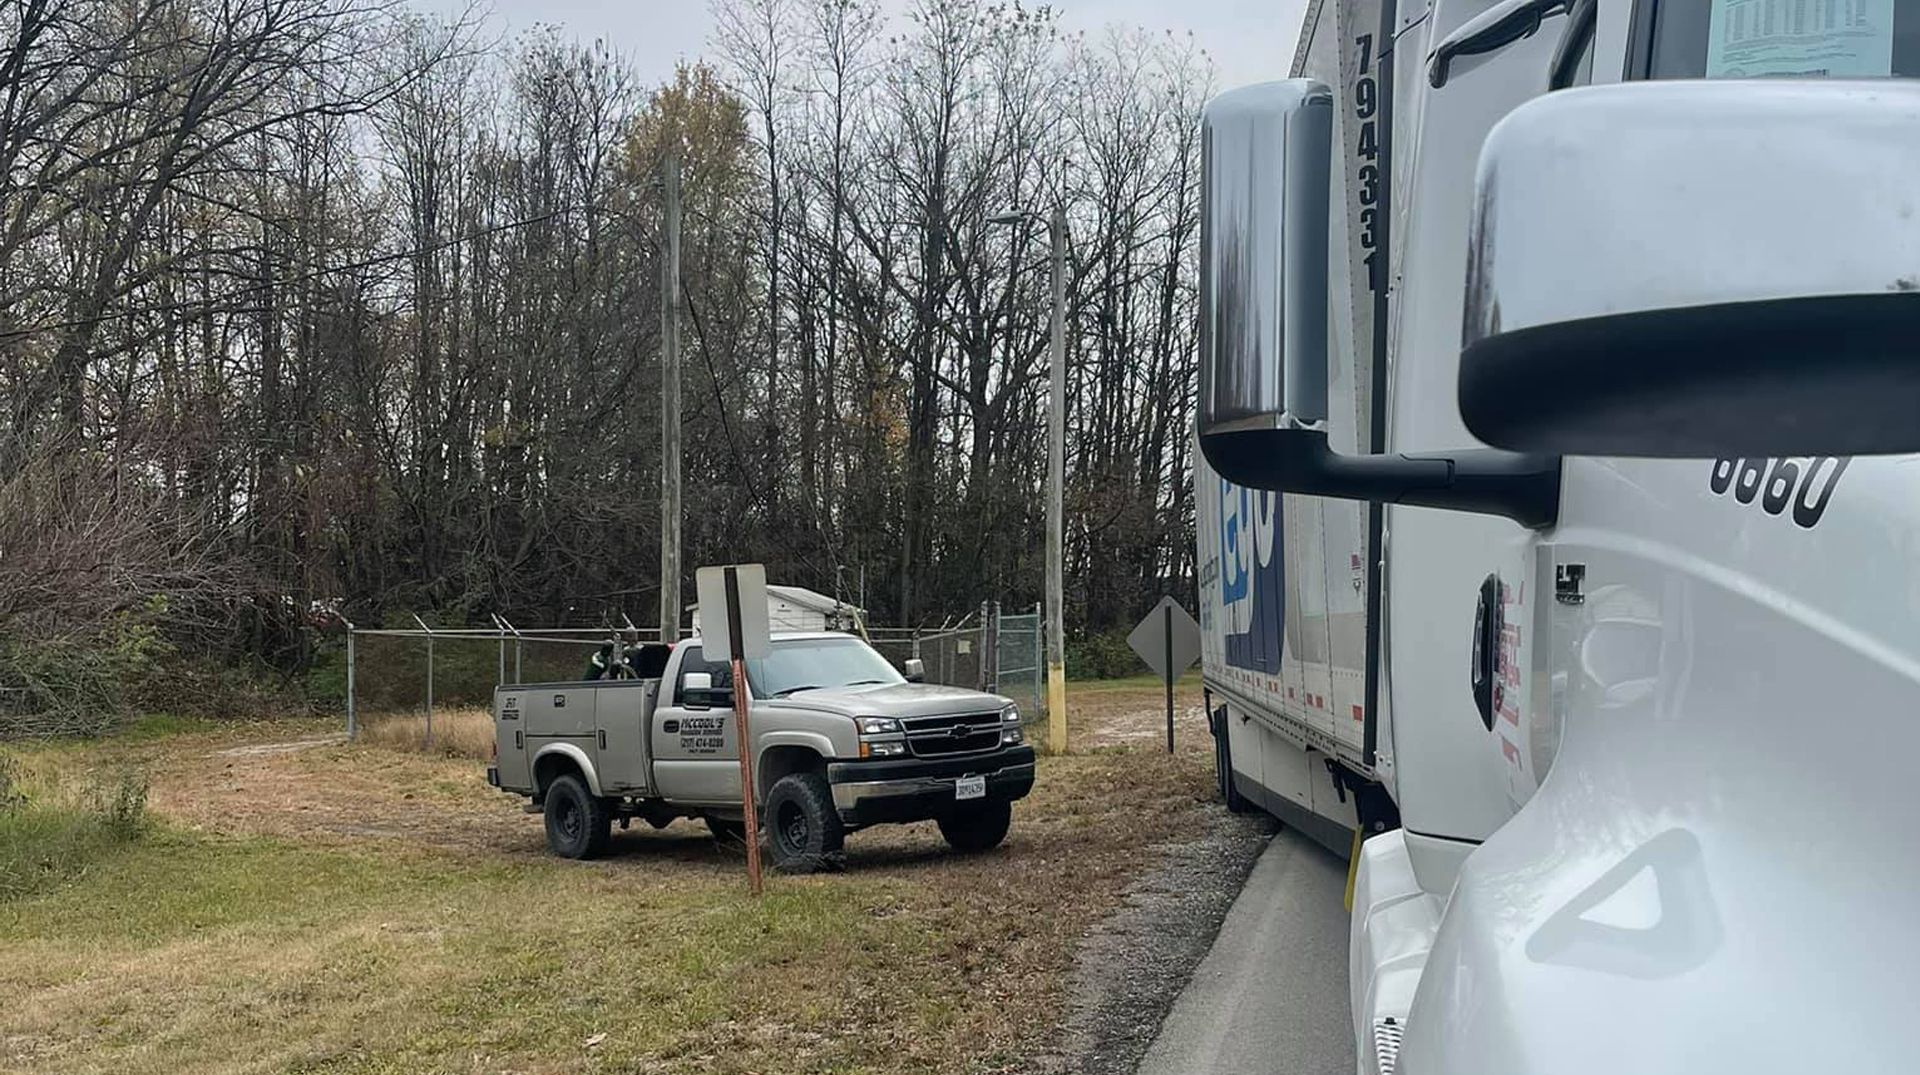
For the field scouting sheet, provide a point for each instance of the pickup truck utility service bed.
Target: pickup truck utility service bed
(841, 741)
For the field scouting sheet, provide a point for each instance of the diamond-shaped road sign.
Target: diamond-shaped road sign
(1168, 639)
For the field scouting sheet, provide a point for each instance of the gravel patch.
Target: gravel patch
(1129, 969)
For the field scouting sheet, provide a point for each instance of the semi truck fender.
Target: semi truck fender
(574, 754)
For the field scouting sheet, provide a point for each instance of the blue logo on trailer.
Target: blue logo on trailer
(1252, 593)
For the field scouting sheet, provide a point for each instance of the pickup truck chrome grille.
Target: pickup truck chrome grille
(942, 737)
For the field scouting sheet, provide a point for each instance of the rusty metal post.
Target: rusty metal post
(742, 702)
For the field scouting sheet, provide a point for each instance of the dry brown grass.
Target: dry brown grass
(457, 733)
(320, 906)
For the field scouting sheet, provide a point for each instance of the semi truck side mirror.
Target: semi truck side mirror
(916, 670)
(1265, 159)
(1266, 162)
(1698, 268)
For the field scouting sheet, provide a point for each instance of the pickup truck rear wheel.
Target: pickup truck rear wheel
(803, 828)
(579, 825)
(978, 828)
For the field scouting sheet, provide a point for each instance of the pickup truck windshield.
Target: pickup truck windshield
(1776, 38)
(796, 664)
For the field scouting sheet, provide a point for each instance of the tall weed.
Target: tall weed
(46, 841)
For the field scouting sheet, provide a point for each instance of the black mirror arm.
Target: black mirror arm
(1486, 481)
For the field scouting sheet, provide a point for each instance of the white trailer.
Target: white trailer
(1284, 655)
(1589, 327)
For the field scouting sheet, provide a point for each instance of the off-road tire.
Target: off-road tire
(579, 825)
(803, 828)
(977, 828)
(727, 831)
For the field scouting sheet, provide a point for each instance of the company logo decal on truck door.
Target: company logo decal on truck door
(1251, 591)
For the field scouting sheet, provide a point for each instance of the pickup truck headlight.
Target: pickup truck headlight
(1010, 715)
(1011, 735)
(877, 725)
(885, 749)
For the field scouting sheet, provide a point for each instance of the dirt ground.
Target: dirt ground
(1006, 974)
(1132, 713)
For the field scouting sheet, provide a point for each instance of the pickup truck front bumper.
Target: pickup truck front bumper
(920, 789)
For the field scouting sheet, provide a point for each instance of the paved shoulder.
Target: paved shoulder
(1271, 996)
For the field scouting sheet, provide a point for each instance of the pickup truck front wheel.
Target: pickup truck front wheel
(803, 828)
(978, 828)
(578, 823)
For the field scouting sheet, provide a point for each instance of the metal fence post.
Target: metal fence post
(429, 631)
(984, 678)
(353, 724)
(501, 678)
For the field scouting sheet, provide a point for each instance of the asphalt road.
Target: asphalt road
(1271, 995)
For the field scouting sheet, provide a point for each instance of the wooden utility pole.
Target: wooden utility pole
(670, 408)
(1056, 489)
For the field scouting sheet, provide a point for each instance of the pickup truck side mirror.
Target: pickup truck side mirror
(697, 692)
(1266, 162)
(1698, 269)
(916, 670)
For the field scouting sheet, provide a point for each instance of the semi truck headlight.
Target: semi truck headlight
(883, 750)
(877, 725)
(1010, 715)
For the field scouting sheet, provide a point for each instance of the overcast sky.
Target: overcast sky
(1249, 40)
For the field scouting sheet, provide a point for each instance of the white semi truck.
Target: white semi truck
(1556, 356)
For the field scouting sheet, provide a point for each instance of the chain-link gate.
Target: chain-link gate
(988, 651)
(1020, 663)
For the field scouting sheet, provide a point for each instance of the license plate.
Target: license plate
(970, 787)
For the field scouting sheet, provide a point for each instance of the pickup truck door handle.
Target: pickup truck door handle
(603, 740)
(669, 725)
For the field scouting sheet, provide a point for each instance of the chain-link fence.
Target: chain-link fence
(446, 673)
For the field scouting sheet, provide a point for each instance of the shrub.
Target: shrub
(79, 684)
(121, 803)
(1105, 655)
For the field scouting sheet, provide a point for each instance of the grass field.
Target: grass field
(297, 904)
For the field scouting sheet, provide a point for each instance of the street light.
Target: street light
(1056, 477)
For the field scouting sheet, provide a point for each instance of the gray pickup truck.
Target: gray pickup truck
(841, 740)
